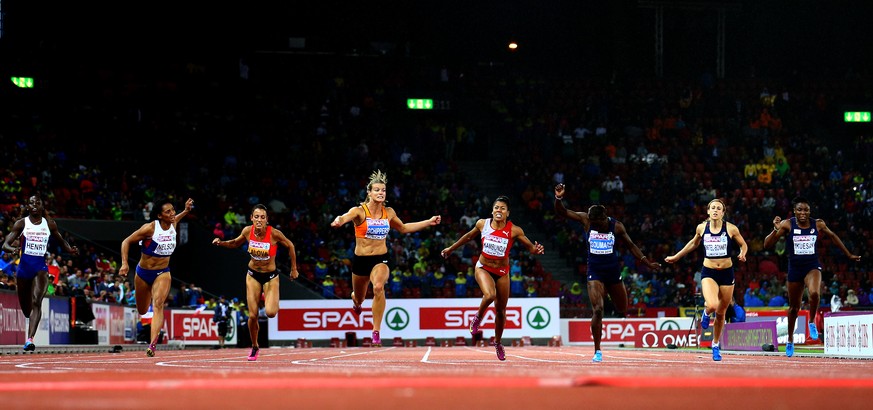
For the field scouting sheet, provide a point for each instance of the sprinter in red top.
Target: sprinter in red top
(492, 269)
(263, 275)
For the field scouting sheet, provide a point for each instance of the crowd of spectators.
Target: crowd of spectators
(308, 130)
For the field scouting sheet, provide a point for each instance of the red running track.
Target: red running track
(424, 378)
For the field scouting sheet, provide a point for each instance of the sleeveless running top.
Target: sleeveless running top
(35, 238)
(801, 242)
(717, 245)
(496, 243)
(373, 228)
(601, 249)
(262, 249)
(162, 243)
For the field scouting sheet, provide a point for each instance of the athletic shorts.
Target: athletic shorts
(496, 273)
(363, 265)
(263, 277)
(29, 266)
(723, 277)
(608, 278)
(150, 275)
(797, 271)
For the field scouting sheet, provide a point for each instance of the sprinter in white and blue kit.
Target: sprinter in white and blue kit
(152, 283)
(720, 240)
(31, 234)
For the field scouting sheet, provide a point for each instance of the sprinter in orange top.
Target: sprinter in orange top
(373, 221)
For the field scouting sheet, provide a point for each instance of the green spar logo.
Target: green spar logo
(397, 318)
(670, 325)
(538, 318)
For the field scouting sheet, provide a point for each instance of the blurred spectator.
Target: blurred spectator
(321, 269)
(778, 300)
(396, 285)
(516, 284)
(575, 293)
(328, 287)
(751, 299)
(531, 290)
(218, 231)
(836, 303)
(7, 264)
(461, 285)
(851, 299)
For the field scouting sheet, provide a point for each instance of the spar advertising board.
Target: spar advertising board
(412, 318)
(627, 331)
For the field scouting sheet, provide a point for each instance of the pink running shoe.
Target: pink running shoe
(377, 341)
(474, 325)
(501, 355)
(254, 354)
(150, 352)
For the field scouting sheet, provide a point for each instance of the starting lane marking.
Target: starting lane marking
(285, 383)
(722, 382)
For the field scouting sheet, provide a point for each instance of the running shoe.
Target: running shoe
(29, 346)
(716, 353)
(704, 323)
(813, 331)
(598, 357)
(501, 354)
(150, 352)
(474, 325)
(254, 354)
(377, 341)
(356, 308)
(789, 349)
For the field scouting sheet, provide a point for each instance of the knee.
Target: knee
(271, 313)
(379, 289)
(489, 297)
(597, 311)
(712, 307)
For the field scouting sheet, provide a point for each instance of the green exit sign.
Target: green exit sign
(419, 103)
(23, 82)
(856, 116)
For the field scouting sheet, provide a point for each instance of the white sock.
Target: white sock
(715, 344)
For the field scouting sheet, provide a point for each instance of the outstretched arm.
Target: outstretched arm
(534, 247)
(145, 231)
(823, 228)
(463, 239)
(780, 228)
(560, 210)
(690, 246)
(235, 242)
(17, 228)
(283, 240)
(634, 249)
(189, 205)
(353, 214)
(411, 227)
(53, 228)
(734, 233)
